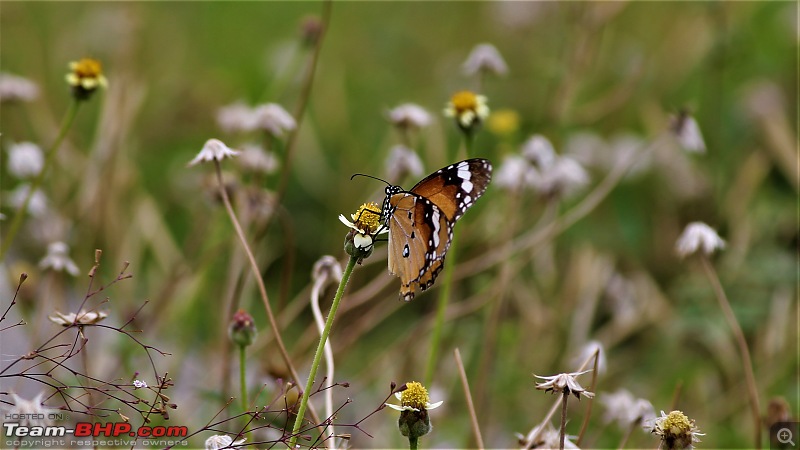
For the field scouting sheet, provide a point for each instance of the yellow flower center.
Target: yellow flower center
(415, 396)
(677, 423)
(464, 101)
(368, 217)
(87, 68)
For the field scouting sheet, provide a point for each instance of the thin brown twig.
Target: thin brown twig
(299, 111)
(634, 425)
(676, 396)
(563, 430)
(590, 402)
(470, 407)
(259, 280)
(741, 342)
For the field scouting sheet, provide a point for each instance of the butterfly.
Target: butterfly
(421, 220)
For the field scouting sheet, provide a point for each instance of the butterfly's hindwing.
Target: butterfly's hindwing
(417, 243)
(421, 220)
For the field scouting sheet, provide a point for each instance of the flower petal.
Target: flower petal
(363, 241)
(346, 222)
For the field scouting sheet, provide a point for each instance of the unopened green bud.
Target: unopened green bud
(242, 329)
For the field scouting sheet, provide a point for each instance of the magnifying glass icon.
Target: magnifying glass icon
(785, 436)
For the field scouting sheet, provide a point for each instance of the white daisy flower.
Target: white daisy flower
(698, 236)
(214, 149)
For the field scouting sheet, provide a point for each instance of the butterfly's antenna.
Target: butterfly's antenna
(369, 176)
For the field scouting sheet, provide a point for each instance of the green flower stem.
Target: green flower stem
(444, 294)
(66, 124)
(441, 309)
(298, 421)
(242, 378)
(413, 443)
(469, 139)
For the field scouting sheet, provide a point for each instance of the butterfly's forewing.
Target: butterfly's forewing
(421, 221)
(455, 188)
(419, 236)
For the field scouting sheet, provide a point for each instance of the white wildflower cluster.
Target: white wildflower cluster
(25, 160)
(403, 161)
(14, 88)
(31, 412)
(254, 158)
(564, 383)
(623, 149)
(625, 409)
(484, 58)
(219, 441)
(38, 205)
(698, 236)
(80, 318)
(57, 259)
(687, 132)
(540, 168)
(269, 117)
(213, 150)
(409, 116)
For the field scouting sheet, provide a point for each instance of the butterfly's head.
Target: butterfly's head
(391, 190)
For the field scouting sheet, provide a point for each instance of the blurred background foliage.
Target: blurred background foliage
(591, 77)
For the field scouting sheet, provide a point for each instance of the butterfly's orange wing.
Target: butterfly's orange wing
(455, 188)
(419, 236)
(421, 221)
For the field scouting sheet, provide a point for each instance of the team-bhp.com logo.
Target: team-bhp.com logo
(88, 429)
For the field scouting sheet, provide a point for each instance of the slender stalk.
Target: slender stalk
(590, 401)
(441, 309)
(413, 443)
(469, 139)
(242, 378)
(66, 124)
(444, 294)
(465, 384)
(305, 94)
(329, 364)
(298, 421)
(738, 334)
(256, 273)
(634, 425)
(676, 395)
(563, 431)
(537, 430)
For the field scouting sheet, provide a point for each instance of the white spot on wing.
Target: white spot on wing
(467, 186)
(464, 173)
(435, 220)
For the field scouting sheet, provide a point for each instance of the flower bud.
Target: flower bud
(414, 424)
(242, 330)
